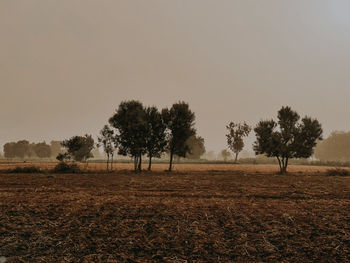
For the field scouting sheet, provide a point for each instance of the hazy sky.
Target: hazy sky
(66, 65)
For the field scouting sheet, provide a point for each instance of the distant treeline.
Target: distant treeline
(336, 148)
(24, 149)
(139, 131)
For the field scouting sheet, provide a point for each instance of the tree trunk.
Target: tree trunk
(150, 163)
(236, 157)
(140, 161)
(171, 161)
(285, 166)
(280, 164)
(107, 161)
(135, 162)
(112, 161)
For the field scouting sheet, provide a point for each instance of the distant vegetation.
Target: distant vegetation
(292, 139)
(136, 131)
(23, 149)
(336, 148)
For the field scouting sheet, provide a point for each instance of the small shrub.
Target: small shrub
(25, 169)
(338, 172)
(63, 167)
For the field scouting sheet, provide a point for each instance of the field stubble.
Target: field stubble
(199, 213)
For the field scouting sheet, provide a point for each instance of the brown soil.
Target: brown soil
(199, 213)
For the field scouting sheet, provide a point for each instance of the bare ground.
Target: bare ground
(199, 213)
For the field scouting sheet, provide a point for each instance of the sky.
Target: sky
(66, 65)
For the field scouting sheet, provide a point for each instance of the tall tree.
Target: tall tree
(180, 123)
(335, 148)
(197, 148)
(108, 142)
(56, 148)
(236, 133)
(131, 126)
(292, 139)
(42, 150)
(9, 150)
(156, 135)
(224, 154)
(79, 147)
(21, 149)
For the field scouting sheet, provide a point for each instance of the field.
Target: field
(198, 213)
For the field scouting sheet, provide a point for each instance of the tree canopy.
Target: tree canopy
(130, 122)
(79, 147)
(335, 148)
(197, 147)
(288, 138)
(180, 123)
(236, 133)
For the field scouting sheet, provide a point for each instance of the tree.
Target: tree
(42, 150)
(225, 155)
(236, 133)
(156, 135)
(21, 149)
(56, 148)
(335, 148)
(109, 143)
(9, 150)
(130, 122)
(79, 147)
(197, 148)
(293, 139)
(180, 123)
(209, 155)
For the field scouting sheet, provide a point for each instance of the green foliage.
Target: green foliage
(293, 139)
(236, 133)
(79, 147)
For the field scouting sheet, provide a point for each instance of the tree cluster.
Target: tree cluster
(288, 137)
(78, 148)
(140, 130)
(336, 148)
(23, 149)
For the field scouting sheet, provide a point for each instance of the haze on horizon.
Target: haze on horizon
(66, 65)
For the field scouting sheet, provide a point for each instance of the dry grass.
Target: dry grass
(208, 214)
(232, 168)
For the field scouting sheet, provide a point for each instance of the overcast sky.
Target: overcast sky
(66, 65)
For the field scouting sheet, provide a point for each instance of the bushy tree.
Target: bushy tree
(21, 149)
(335, 148)
(197, 148)
(130, 122)
(236, 133)
(9, 150)
(225, 155)
(108, 141)
(79, 147)
(180, 123)
(156, 135)
(288, 138)
(56, 148)
(42, 150)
